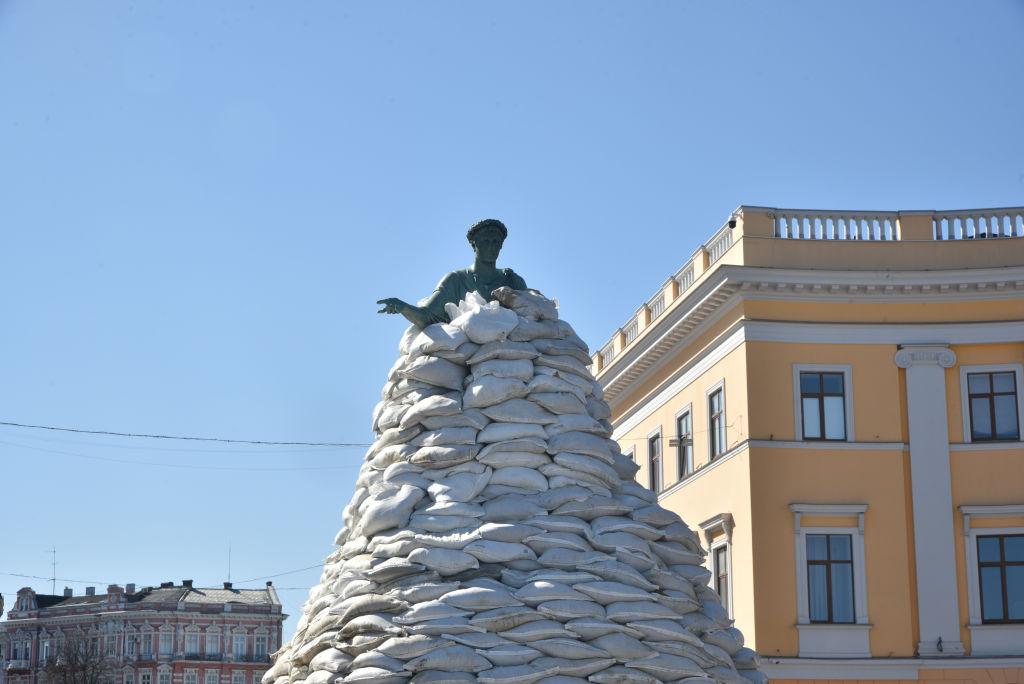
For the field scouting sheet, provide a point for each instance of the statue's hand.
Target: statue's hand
(392, 305)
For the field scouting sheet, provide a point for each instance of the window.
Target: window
(830, 578)
(992, 405)
(654, 462)
(684, 444)
(111, 646)
(191, 677)
(212, 644)
(720, 574)
(823, 405)
(129, 678)
(238, 677)
(145, 677)
(129, 645)
(1001, 577)
(257, 677)
(147, 644)
(163, 677)
(166, 643)
(716, 423)
(212, 677)
(260, 646)
(45, 650)
(238, 646)
(192, 644)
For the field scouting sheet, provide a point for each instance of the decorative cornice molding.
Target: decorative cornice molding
(925, 355)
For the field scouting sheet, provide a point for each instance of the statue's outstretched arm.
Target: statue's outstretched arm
(417, 315)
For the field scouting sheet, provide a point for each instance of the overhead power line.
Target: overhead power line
(223, 440)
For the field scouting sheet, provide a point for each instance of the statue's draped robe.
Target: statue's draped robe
(454, 287)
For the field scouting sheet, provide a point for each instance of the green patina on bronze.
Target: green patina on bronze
(483, 277)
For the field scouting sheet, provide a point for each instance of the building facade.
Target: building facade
(157, 635)
(836, 398)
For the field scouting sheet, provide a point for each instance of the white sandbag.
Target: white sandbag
(655, 515)
(515, 674)
(455, 658)
(488, 323)
(594, 507)
(558, 402)
(375, 675)
(469, 418)
(572, 649)
(505, 349)
(527, 303)
(566, 364)
(557, 540)
(511, 508)
(437, 405)
(506, 532)
(436, 371)
(544, 382)
(563, 347)
(389, 510)
(442, 677)
(510, 653)
(564, 610)
(606, 592)
(503, 619)
(422, 592)
(534, 445)
(490, 390)
(667, 667)
(330, 660)
(581, 443)
(588, 465)
(512, 459)
(437, 337)
(572, 670)
(441, 523)
(446, 456)
(520, 411)
(460, 487)
(528, 329)
(617, 523)
(444, 561)
(537, 592)
(375, 659)
(481, 598)
(620, 674)
(524, 478)
(498, 432)
(538, 629)
(520, 369)
(487, 551)
(623, 647)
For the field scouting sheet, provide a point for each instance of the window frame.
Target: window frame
(718, 387)
(824, 639)
(965, 400)
(724, 546)
(827, 563)
(798, 406)
(655, 476)
(1001, 564)
(682, 471)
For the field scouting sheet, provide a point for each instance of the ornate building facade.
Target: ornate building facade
(837, 396)
(157, 635)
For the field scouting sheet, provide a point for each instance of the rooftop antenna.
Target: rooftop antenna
(53, 573)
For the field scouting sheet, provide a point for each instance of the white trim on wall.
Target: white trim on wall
(965, 413)
(988, 639)
(847, 371)
(831, 640)
(884, 333)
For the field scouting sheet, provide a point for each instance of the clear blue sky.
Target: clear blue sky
(200, 201)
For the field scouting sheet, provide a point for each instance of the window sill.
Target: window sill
(834, 641)
(997, 640)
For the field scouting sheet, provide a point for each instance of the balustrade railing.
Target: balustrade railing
(720, 242)
(607, 353)
(656, 304)
(973, 224)
(684, 277)
(632, 329)
(801, 224)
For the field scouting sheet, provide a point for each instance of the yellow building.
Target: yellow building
(835, 398)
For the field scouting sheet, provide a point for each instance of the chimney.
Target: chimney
(166, 585)
(129, 588)
(269, 583)
(68, 592)
(90, 591)
(227, 585)
(186, 583)
(114, 589)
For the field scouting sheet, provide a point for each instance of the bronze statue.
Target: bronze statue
(483, 277)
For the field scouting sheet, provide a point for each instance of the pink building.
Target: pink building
(156, 635)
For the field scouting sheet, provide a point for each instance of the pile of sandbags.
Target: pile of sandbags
(497, 534)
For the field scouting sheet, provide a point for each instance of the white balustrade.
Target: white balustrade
(719, 243)
(684, 277)
(973, 224)
(804, 224)
(632, 329)
(656, 304)
(607, 354)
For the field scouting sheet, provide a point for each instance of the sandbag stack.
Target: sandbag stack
(497, 534)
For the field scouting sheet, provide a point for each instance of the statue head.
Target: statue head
(487, 236)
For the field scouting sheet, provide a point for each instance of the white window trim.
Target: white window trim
(832, 640)
(656, 432)
(719, 526)
(720, 385)
(675, 427)
(988, 639)
(965, 410)
(798, 411)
